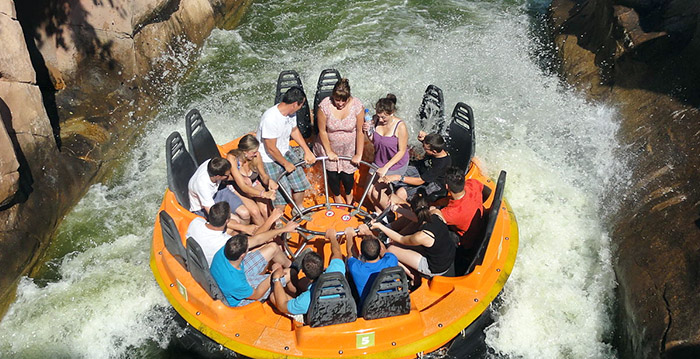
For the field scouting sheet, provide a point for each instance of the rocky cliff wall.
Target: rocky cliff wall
(644, 57)
(78, 80)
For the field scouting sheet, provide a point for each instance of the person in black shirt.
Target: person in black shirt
(428, 173)
(430, 251)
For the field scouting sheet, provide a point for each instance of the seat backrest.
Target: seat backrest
(172, 238)
(199, 268)
(491, 216)
(180, 168)
(331, 301)
(286, 80)
(460, 136)
(432, 109)
(199, 140)
(324, 88)
(388, 295)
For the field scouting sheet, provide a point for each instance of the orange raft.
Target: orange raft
(441, 308)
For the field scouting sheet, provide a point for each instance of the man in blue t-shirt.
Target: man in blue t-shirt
(312, 266)
(240, 273)
(365, 267)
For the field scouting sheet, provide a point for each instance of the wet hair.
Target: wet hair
(312, 265)
(236, 246)
(218, 166)
(454, 178)
(341, 90)
(293, 95)
(219, 213)
(420, 206)
(434, 141)
(246, 143)
(386, 104)
(369, 247)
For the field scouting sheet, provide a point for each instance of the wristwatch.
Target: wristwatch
(402, 178)
(276, 279)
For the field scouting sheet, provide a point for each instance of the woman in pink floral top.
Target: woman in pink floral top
(340, 119)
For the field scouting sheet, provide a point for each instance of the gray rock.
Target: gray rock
(92, 98)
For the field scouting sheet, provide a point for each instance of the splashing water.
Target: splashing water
(95, 296)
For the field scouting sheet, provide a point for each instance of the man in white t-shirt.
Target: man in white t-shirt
(211, 236)
(277, 125)
(203, 189)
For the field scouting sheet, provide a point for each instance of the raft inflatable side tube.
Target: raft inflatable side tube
(440, 308)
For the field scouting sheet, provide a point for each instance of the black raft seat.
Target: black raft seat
(199, 268)
(388, 295)
(180, 168)
(172, 238)
(286, 80)
(432, 109)
(199, 140)
(331, 301)
(324, 88)
(461, 141)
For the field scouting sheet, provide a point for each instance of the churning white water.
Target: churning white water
(96, 298)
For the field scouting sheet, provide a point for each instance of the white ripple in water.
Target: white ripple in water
(103, 305)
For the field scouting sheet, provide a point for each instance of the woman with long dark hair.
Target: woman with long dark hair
(430, 251)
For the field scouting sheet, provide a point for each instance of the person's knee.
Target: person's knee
(255, 212)
(243, 212)
(269, 250)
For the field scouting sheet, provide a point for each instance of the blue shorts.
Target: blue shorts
(226, 195)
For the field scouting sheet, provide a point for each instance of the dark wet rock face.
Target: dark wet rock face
(78, 81)
(644, 57)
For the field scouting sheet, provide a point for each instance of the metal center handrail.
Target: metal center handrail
(300, 212)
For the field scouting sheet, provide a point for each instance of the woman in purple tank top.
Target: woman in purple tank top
(390, 138)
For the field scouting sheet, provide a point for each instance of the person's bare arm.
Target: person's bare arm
(247, 189)
(260, 290)
(268, 236)
(350, 245)
(415, 239)
(264, 177)
(280, 297)
(308, 155)
(240, 227)
(270, 221)
(414, 181)
(336, 253)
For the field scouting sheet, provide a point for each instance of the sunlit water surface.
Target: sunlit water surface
(95, 296)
